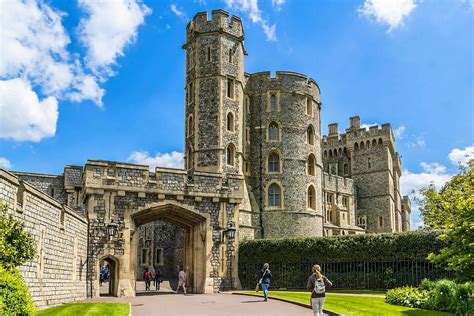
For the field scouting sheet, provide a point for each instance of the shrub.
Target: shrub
(441, 295)
(14, 296)
(407, 296)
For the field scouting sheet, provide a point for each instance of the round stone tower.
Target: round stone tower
(283, 162)
(214, 93)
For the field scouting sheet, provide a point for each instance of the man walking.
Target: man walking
(181, 281)
(147, 277)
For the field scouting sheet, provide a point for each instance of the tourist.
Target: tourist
(317, 284)
(158, 279)
(147, 277)
(265, 276)
(181, 281)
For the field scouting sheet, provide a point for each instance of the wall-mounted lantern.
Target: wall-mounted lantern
(112, 229)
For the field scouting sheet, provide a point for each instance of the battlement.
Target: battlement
(356, 132)
(220, 21)
(285, 80)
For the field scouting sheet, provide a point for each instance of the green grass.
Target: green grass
(87, 309)
(354, 305)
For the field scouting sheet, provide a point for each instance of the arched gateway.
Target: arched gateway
(122, 198)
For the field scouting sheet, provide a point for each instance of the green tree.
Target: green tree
(452, 209)
(16, 245)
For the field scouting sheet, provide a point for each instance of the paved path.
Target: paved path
(206, 304)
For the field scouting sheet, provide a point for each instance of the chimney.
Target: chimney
(333, 129)
(354, 122)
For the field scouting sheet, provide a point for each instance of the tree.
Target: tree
(452, 209)
(16, 245)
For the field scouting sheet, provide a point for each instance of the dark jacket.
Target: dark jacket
(266, 276)
(312, 281)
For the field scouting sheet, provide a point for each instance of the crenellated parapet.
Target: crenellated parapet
(219, 22)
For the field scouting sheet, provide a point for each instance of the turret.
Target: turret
(214, 93)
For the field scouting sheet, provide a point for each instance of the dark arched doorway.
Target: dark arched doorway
(108, 276)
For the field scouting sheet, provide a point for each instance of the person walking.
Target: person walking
(265, 276)
(158, 279)
(181, 281)
(317, 284)
(147, 277)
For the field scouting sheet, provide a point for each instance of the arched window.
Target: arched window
(346, 169)
(340, 152)
(274, 195)
(273, 105)
(374, 143)
(310, 135)
(335, 152)
(380, 141)
(273, 163)
(330, 153)
(189, 159)
(311, 165)
(190, 125)
(362, 146)
(356, 147)
(311, 197)
(230, 122)
(230, 154)
(273, 131)
(367, 144)
(325, 154)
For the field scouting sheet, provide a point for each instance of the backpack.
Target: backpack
(319, 286)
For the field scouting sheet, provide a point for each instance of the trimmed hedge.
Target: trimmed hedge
(415, 245)
(442, 295)
(15, 298)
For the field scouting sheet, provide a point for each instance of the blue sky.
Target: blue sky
(84, 80)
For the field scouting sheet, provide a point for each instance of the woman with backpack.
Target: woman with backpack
(317, 284)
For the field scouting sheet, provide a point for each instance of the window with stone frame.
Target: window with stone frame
(273, 163)
(159, 258)
(274, 195)
(381, 224)
(311, 165)
(309, 106)
(230, 154)
(346, 169)
(311, 197)
(345, 201)
(310, 135)
(330, 198)
(273, 131)
(190, 125)
(144, 257)
(230, 87)
(273, 103)
(230, 55)
(230, 122)
(208, 53)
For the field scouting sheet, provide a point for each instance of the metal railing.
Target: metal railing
(346, 275)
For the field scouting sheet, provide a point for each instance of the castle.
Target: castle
(256, 166)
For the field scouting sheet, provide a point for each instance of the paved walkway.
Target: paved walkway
(206, 304)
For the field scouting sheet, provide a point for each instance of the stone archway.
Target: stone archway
(112, 282)
(198, 242)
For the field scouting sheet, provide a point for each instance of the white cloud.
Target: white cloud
(278, 3)
(418, 142)
(367, 125)
(5, 163)
(390, 12)
(171, 160)
(107, 29)
(250, 7)
(432, 173)
(461, 156)
(398, 132)
(23, 115)
(175, 10)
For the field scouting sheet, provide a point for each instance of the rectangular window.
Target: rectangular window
(380, 221)
(208, 53)
(144, 256)
(330, 198)
(159, 256)
(230, 88)
(230, 55)
(344, 201)
(309, 106)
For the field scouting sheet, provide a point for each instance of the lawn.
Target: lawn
(354, 305)
(87, 309)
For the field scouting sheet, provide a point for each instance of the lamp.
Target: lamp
(112, 229)
(229, 232)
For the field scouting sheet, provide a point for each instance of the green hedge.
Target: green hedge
(15, 298)
(368, 247)
(441, 295)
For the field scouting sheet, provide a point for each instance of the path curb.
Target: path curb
(291, 302)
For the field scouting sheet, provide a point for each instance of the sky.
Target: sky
(92, 79)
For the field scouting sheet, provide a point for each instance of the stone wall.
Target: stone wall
(58, 272)
(51, 185)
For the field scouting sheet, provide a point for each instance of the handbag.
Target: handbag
(260, 282)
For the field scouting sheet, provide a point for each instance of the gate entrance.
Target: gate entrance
(185, 238)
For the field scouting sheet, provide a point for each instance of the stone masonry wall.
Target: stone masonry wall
(58, 272)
